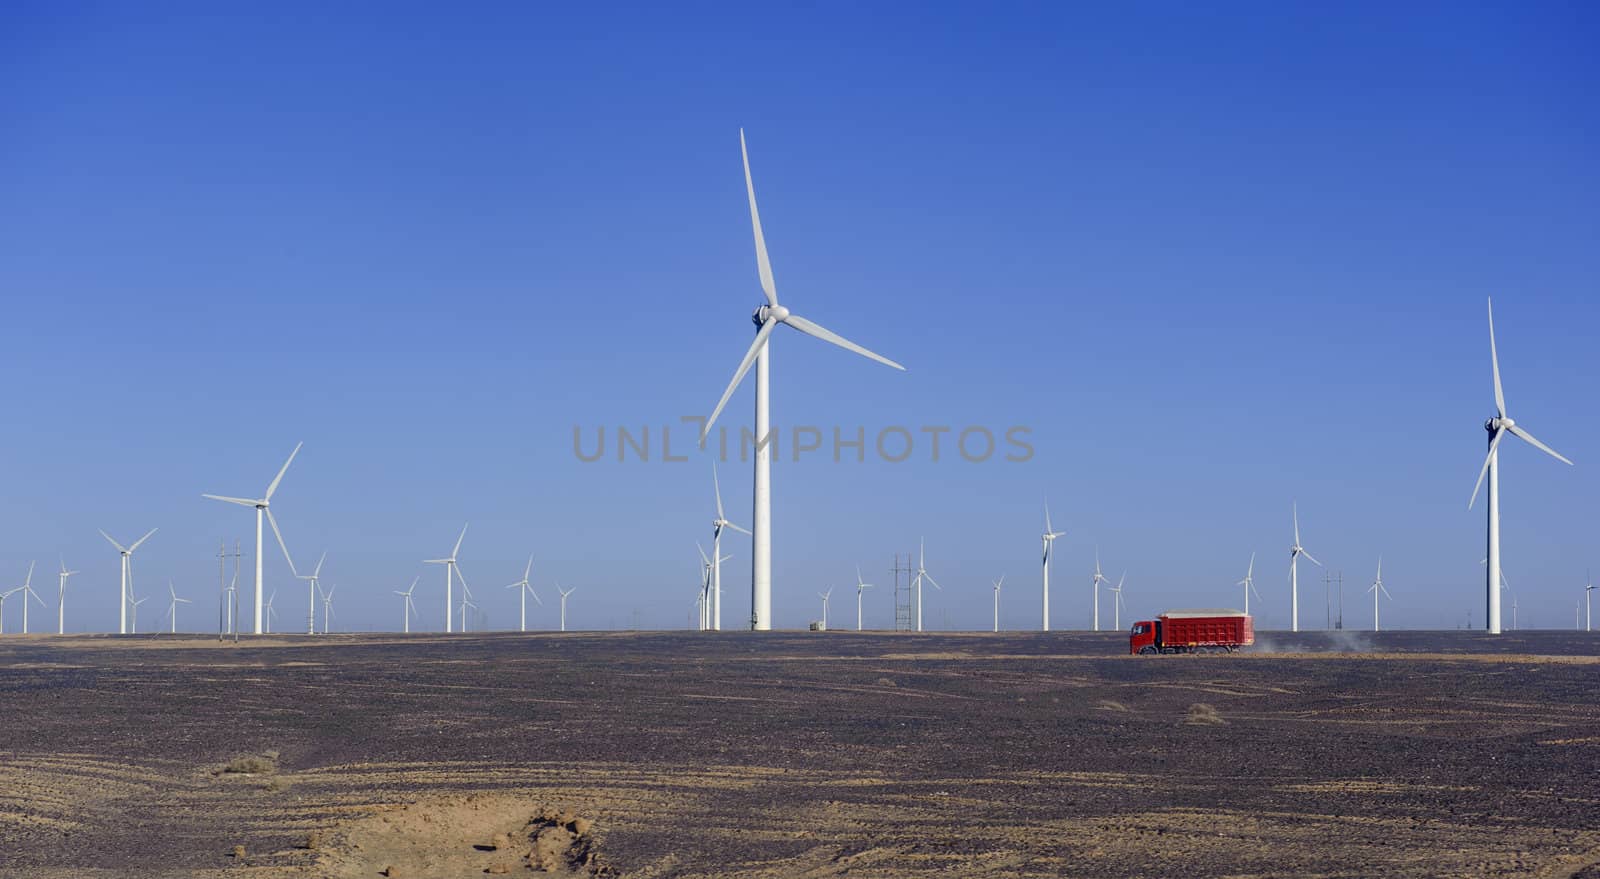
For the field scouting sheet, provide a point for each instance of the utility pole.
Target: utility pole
(222, 588)
(902, 594)
(1339, 623)
(1327, 599)
(233, 590)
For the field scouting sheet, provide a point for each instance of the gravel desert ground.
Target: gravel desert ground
(799, 755)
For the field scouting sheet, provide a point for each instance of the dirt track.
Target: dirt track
(790, 754)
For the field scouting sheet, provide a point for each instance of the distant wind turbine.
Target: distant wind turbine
(135, 604)
(264, 510)
(1376, 588)
(767, 318)
(450, 570)
(1098, 579)
(717, 558)
(1116, 608)
(27, 593)
(564, 594)
(824, 596)
(1498, 427)
(525, 587)
(61, 598)
(314, 586)
(1588, 590)
(1249, 583)
(327, 607)
(272, 612)
(861, 586)
(127, 575)
(1295, 552)
(997, 584)
(916, 583)
(410, 607)
(4, 597)
(1050, 535)
(172, 609)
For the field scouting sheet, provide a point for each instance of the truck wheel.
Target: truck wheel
(1147, 650)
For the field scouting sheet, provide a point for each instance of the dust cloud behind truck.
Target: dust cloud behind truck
(1192, 631)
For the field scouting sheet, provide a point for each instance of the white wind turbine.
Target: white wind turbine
(127, 575)
(1249, 583)
(172, 609)
(61, 598)
(997, 584)
(450, 570)
(1116, 606)
(313, 582)
(1498, 427)
(1098, 579)
(916, 583)
(272, 612)
(564, 594)
(466, 604)
(767, 318)
(1588, 590)
(1376, 589)
(717, 558)
(264, 510)
(703, 603)
(4, 597)
(825, 596)
(410, 607)
(1295, 552)
(136, 602)
(526, 587)
(327, 607)
(1050, 535)
(27, 593)
(861, 586)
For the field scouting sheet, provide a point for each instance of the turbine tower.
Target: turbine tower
(313, 582)
(1295, 552)
(450, 570)
(1117, 605)
(1588, 590)
(272, 612)
(1050, 535)
(717, 559)
(1249, 583)
(127, 575)
(172, 609)
(1095, 586)
(327, 607)
(1498, 427)
(564, 594)
(410, 606)
(997, 584)
(525, 585)
(264, 510)
(61, 598)
(916, 583)
(27, 593)
(861, 586)
(1376, 589)
(767, 317)
(825, 596)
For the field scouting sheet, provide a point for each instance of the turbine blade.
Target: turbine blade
(1494, 359)
(1313, 559)
(243, 502)
(281, 545)
(526, 574)
(1494, 443)
(317, 571)
(457, 551)
(279, 478)
(1517, 429)
(1294, 509)
(811, 328)
(717, 486)
(738, 375)
(142, 540)
(763, 265)
(929, 578)
(735, 527)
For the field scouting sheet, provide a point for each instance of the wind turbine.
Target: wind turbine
(1376, 588)
(272, 612)
(1498, 427)
(313, 581)
(466, 603)
(1116, 606)
(264, 510)
(861, 586)
(564, 594)
(1098, 579)
(1295, 552)
(27, 592)
(410, 607)
(526, 587)
(704, 601)
(1050, 535)
(1588, 590)
(127, 574)
(61, 598)
(327, 606)
(767, 318)
(997, 584)
(4, 597)
(136, 603)
(172, 609)
(824, 596)
(1249, 583)
(717, 525)
(450, 569)
(916, 584)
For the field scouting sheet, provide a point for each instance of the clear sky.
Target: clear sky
(1216, 259)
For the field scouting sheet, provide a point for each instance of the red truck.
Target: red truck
(1193, 631)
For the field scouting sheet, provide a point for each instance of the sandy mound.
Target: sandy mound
(461, 836)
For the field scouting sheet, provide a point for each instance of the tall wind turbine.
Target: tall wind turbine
(704, 602)
(313, 582)
(1116, 606)
(1050, 535)
(564, 594)
(1376, 589)
(264, 510)
(767, 317)
(410, 607)
(997, 584)
(1588, 590)
(525, 586)
(127, 575)
(4, 597)
(61, 598)
(27, 593)
(135, 603)
(916, 583)
(717, 525)
(327, 607)
(1498, 427)
(861, 586)
(1295, 552)
(450, 570)
(172, 609)
(1249, 583)
(825, 596)
(272, 612)
(1098, 579)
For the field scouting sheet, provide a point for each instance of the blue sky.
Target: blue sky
(1216, 259)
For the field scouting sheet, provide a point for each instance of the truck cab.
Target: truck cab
(1143, 635)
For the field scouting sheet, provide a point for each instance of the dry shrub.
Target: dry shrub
(251, 764)
(1201, 714)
